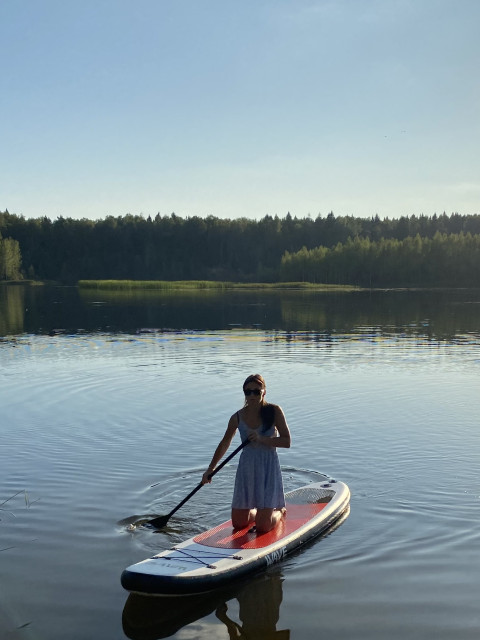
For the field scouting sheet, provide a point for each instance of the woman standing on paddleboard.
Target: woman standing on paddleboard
(258, 494)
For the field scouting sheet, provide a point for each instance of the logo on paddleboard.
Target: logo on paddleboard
(276, 556)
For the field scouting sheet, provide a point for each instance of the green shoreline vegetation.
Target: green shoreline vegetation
(164, 285)
(212, 253)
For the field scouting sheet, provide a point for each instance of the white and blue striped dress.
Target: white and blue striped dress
(258, 483)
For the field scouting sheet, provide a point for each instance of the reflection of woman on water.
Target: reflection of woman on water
(259, 612)
(259, 603)
(258, 495)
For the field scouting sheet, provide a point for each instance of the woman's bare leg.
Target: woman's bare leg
(268, 519)
(241, 518)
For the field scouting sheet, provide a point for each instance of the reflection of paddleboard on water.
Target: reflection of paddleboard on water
(216, 557)
(236, 606)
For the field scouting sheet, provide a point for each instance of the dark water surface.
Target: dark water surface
(103, 396)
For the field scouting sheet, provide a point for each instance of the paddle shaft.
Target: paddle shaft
(200, 485)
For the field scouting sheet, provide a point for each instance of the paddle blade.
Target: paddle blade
(158, 523)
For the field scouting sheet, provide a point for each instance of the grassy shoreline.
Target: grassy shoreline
(167, 285)
(30, 283)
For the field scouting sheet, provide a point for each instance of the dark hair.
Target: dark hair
(267, 413)
(257, 378)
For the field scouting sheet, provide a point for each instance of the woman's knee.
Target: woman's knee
(268, 519)
(265, 520)
(242, 518)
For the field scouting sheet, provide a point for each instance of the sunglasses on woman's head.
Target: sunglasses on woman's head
(248, 392)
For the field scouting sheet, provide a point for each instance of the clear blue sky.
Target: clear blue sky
(239, 107)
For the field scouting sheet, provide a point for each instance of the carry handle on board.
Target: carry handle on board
(161, 521)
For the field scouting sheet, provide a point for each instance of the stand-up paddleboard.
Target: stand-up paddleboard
(220, 555)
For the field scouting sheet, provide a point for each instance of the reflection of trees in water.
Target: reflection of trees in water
(12, 309)
(259, 601)
(437, 314)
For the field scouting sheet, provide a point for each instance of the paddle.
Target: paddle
(161, 521)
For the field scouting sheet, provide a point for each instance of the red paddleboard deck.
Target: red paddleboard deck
(226, 537)
(222, 554)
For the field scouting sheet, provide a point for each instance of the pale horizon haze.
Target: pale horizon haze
(239, 109)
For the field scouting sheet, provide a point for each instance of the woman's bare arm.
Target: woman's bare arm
(221, 449)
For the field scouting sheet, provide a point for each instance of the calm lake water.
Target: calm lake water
(110, 410)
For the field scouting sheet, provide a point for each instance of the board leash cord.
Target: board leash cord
(199, 557)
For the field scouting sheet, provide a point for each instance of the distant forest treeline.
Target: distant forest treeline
(410, 251)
